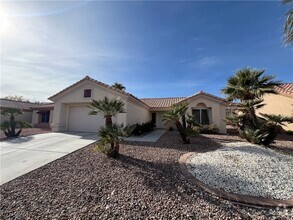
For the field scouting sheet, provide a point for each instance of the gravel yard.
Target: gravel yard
(247, 169)
(144, 183)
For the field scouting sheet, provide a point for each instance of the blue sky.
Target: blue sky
(156, 49)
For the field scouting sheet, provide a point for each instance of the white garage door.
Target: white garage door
(80, 120)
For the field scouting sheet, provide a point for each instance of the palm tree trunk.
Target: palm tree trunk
(12, 124)
(108, 120)
(182, 133)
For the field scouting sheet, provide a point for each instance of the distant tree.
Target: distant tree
(119, 86)
(288, 28)
(16, 98)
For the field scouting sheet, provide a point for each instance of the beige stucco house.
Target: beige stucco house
(281, 103)
(71, 107)
(39, 115)
(25, 107)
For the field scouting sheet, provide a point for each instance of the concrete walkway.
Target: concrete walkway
(24, 154)
(150, 137)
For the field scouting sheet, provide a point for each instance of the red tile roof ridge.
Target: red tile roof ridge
(285, 89)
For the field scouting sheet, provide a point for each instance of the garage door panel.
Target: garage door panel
(80, 120)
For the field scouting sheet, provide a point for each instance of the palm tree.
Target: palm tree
(177, 114)
(107, 107)
(119, 86)
(248, 84)
(9, 127)
(288, 28)
(111, 137)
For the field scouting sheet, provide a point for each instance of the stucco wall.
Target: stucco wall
(136, 113)
(161, 124)
(278, 104)
(218, 111)
(24, 117)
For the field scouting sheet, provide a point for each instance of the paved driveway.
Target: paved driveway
(24, 154)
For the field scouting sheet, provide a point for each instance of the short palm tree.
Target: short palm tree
(177, 115)
(248, 84)
(107, 107)
(111, 137)
(9, 126)
(119, 86)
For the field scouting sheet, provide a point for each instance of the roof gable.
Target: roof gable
(210, 96)
(100, 84)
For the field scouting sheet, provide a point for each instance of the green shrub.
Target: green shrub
(143, 128)
(289, 132)
(206, 129)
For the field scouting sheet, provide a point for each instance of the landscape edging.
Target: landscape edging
(247, 200)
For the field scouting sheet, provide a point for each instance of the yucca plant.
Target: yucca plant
(177, 115)
(111, 137)
(9, 127)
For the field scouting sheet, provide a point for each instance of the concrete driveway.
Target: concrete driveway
(24, 154)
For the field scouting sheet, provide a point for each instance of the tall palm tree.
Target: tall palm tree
(177, 115)
(288, 28)
(9, 127)
(119, 86)
(107, 107)
(248, 84)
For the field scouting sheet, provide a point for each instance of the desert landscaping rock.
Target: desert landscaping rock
(247, 169)
(144, 183)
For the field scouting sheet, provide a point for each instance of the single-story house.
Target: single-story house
(281, 103)
(25, 107)
(36, 114)
(71, 107)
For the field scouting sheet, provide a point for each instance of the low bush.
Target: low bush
(206, 129)
(143, 128)
(289, 132)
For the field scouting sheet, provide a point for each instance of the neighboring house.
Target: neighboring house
(281, 103)
(32, 113)
(27, 112)
(71, 107)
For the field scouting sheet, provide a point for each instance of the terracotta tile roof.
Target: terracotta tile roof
(161, 102)
(6, 103)
(286, 89)
(43, 106)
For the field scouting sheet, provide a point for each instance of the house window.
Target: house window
(202, 116)
(44, 116)
(87, 93)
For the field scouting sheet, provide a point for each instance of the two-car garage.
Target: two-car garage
(80, 120)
